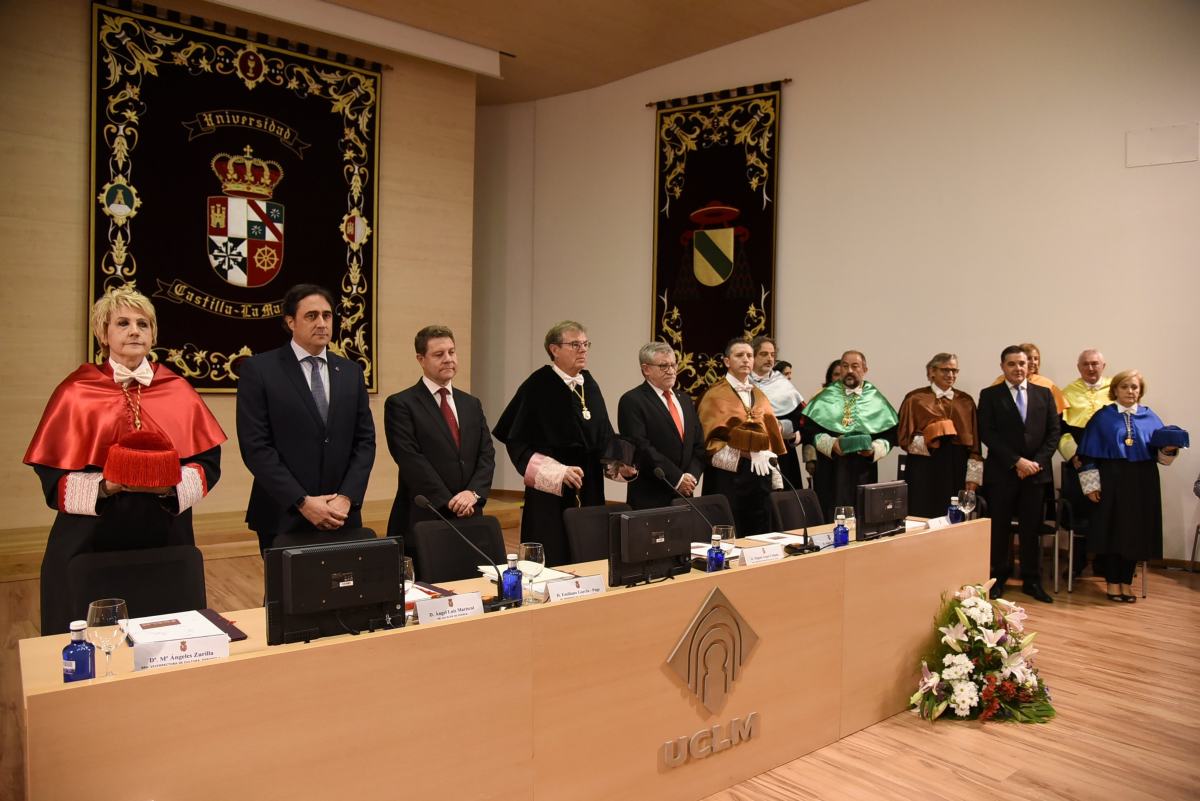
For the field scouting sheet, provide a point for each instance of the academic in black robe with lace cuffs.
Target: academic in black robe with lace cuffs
(544, 428)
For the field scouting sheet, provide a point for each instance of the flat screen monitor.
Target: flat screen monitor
(649, 544)
(881, 509)
(338, 588)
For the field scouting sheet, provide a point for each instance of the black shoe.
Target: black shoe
(1036, 592)
(1116, 596)
(1129, 599)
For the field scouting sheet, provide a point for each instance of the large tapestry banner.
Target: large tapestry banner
(227, 167)
(714, 228)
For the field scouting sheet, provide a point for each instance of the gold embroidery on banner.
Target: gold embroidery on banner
(132, 49)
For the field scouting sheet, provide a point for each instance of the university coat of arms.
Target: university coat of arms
(245, 227)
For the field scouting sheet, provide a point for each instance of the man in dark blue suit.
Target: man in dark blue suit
(439, 438)
(1018, 422)
(304, 427)
(662, 424)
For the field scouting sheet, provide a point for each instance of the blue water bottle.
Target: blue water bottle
(954, 513)
(841, 534)
(510, 589)
(716, 557)
(79, 655)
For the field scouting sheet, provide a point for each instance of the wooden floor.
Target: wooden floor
(1122, 678)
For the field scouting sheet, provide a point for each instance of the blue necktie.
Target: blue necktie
(317, 385)
(1021, 401)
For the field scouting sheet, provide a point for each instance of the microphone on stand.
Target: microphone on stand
(808, 546)
(661, 476)
(500, 602)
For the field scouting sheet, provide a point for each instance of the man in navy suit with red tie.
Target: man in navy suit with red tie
(1018, 422)
(664, 428)
(439, 438)
(304, 427)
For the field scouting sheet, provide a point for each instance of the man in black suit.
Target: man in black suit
(304, 427)
(439, 438)
(1018, 422)
(664, 428)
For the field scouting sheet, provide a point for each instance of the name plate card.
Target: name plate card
(437, 610)
(564, 589)
(762, 553)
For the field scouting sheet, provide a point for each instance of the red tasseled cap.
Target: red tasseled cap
(143, 459)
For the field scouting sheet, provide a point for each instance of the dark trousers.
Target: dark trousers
(1024, 501)
(1117, 569)
(748, 495)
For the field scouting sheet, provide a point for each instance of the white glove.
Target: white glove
(760, 462)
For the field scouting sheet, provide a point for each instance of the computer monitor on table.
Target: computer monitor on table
(338, 588)
(881, 509)
(649, 544)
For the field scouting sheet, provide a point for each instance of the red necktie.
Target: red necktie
(448, 413)
(674, 412)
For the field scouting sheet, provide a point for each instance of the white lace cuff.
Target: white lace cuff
(881, 448)
(727, 459)
(824, 443)
(1067, 447)
(1089, 480)
(78, 492)
(917, 446)
(545, 474)
(191, 487)
(974, 471)
(810, 453)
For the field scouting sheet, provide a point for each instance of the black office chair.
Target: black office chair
(153, 581)
(587, 530)
(716, 508)
(785, 510)
(439, 555)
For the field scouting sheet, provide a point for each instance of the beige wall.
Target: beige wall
(424, 225)
(952, 178)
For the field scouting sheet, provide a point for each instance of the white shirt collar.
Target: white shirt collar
(434, 387)
(1127, 409)
(1093, 387)
(740, 387)
(948, 394)
(573, 381)
(143, 373)
(856, 391)
(302, 354)
(1024, 385)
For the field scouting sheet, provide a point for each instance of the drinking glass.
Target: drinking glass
(848, 513)
(409, 575)
(727, 535)
(966, 502)
(104, 627)
(532, 561)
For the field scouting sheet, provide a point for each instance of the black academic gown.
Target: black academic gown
(546, 417)
(837, 478)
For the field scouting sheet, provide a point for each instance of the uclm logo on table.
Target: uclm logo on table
(709, 658)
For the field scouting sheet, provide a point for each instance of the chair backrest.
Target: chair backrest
(153, 581)
(300, 539)
(439, 554)
(785, 509)
(587, 530)
(716, 508)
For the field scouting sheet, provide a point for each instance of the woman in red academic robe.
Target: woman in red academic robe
(150, 414)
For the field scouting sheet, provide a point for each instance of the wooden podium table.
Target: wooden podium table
(566, 701)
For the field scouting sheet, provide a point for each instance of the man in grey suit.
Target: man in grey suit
(662, 424)
(439, 437)
(1018, 422)
(304, 427)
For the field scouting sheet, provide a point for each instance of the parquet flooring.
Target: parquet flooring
(1122, 678)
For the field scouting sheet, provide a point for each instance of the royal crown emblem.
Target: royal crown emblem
(246, 176)
(245, 227)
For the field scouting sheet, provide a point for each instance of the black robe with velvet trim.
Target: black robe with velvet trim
(546, 417)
